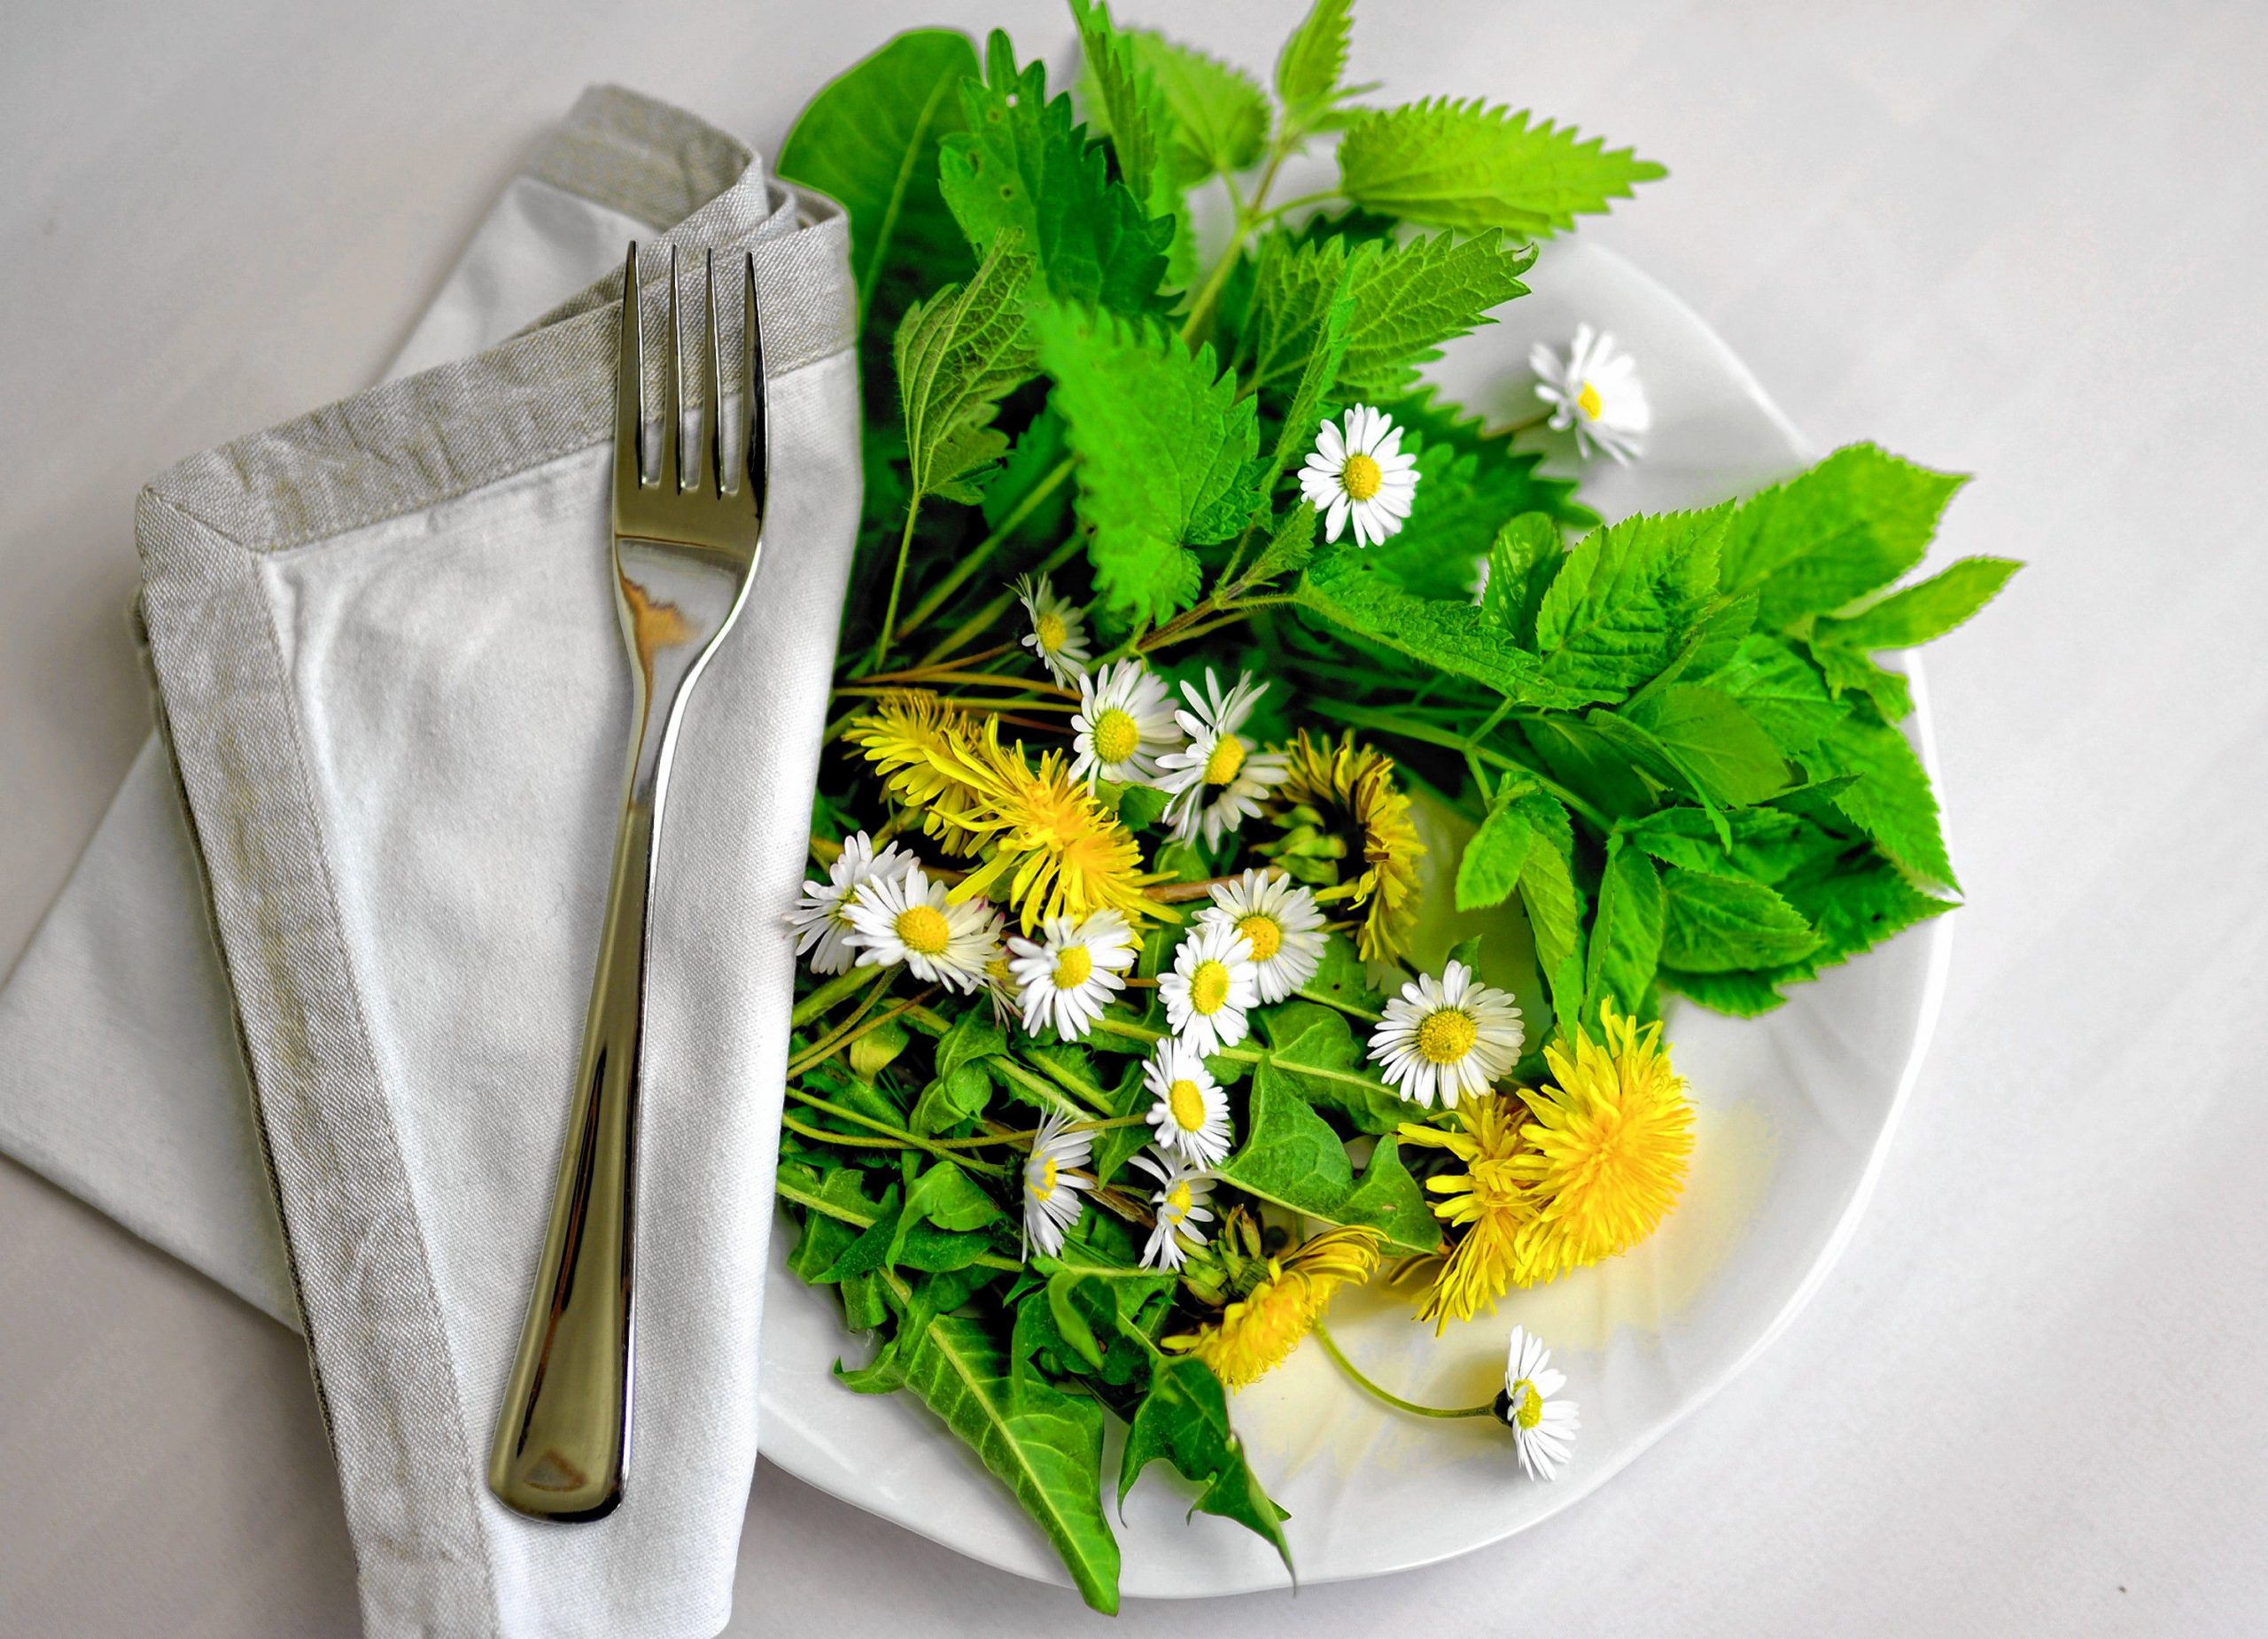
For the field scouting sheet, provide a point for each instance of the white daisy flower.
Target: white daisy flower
(1543, 1428)
(1596, 391)
(1059, 629)
(1180, 1202)
(1190, 1118)
(1283, 922)
(1071, 971)
(1217, 780)
(1051, 1188)
(1361, 474)
(1125, 722)
(907, 919)
(822, 918)
(1442, 1038)
(1212, 983)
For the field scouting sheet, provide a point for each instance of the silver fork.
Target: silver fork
(684, 554)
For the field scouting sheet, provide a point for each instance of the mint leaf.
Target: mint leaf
(1448, 635)
(1489, 869)
(1717, 923)
(1627, 937)
(957, 358)
(1891, 800)
(1926, 609)
(1408, 300)
(1465, 165)
(1024, 164)
(1184, 1419)
(1851, 525)
(1313, 61)
(870, 139)
(1623, 597)
(1713, 740)
(1161, 444)
(1220, 115)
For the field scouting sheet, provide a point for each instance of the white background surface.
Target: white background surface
(2026, 241)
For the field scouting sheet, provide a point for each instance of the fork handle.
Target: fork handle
(563, 1443)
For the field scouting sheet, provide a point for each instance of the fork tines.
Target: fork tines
(713, 475)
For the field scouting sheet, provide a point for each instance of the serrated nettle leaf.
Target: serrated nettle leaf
(1312, 1052)
(1851, 525)
(1523, 561)
(1024, 164)
(1220, 116)
(1925, 611)
(1044, 1444)
(1768, 843)
(1850, 670)
(870, 139)
(1489, 869)
(1891, 800)
(958, 356)
(1782, 691)
(1318, 378)
(1290, 544)
(1714, 740)
(1161, 441)
(1450, 635)
(1624, 598)
(1183, 1418)
(1547, 890)
(1290, 1156)
(1625, 941)
(1127, 106)
(1408, 300)
(1313, 62)
(1467, 166)
(1719, 924)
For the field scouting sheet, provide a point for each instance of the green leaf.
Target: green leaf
(1023, 166)
(1489, 869)
(1044, 1444)
(1523, 560)
(1547, 890)
(1129, 107)
(1849, 669)
(1340, 976)
(870, 138)
(1408, 300)
(1184, 1419)
(1312, 1052)
(958, 356)
(1714, 740)
(1465, 165)
(1313, 62)
(1925, 611)
(1291, 1157)
(1716, 923)
(1768, 843)
(1852, 525)
(1289, 545)
(1318, 378)
(1220, 113)
(1891, 800)
(960, 1094)
(1783, 692)
(949, 1198)
(1626, 938)
(1161, 443)
(1454, 636)
(1623, 599)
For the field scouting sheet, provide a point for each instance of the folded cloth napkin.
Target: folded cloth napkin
(390, 671)
(119, 1074)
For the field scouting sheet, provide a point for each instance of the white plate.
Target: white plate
(1795, 1114)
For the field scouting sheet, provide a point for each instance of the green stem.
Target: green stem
(977, 555)
(1289, 205)
(983, 619)
(1331, 1348)
(897, 584)
(845, 984)
(905, 1139)
(1361, 717)
(813, 1202)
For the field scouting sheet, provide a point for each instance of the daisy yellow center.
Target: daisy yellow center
(1187, 1103)
(1360, 477)
(1073, 964)
(1116, 735)
(1447, 1036)
(1046, 1186)
(1209, 987)
(1227, 757)
(1588, 401)
(1177, 1200)
(1528, 1405)
(1267, 937)
(922, 928)
(1051, 631)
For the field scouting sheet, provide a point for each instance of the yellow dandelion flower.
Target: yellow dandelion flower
(1339, 805)
(1487, 1202)
(927, 752)
(1605, 1154)
(1255, 1332)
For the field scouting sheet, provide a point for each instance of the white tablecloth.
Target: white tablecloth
(2018, 239)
